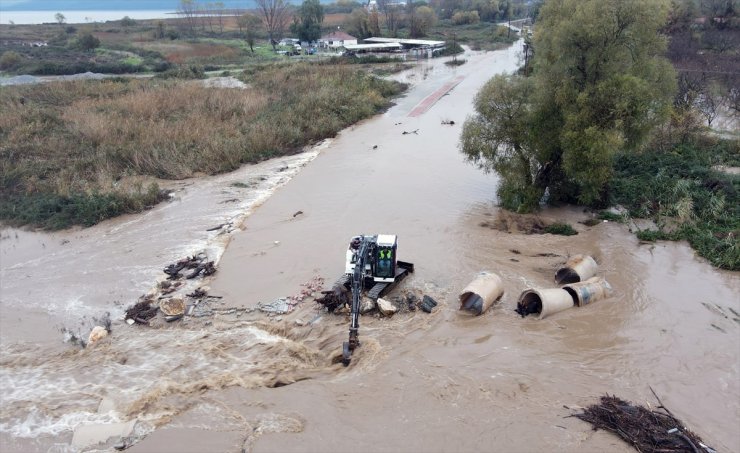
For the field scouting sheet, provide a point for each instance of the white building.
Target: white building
(337, 39)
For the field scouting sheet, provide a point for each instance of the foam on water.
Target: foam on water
(77, 275)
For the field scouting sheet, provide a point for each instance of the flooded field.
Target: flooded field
(443, 381)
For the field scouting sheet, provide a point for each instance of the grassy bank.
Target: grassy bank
(65, 148)
(686, 197)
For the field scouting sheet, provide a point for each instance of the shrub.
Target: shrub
(10, 60)
(87, 42)
(183, 72)
(562, 229)
(680, 188)
(465, 17)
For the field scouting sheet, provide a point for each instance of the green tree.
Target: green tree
(421, 20)
(599, 85)
(307, 23)
(59, 17)
(87, 41)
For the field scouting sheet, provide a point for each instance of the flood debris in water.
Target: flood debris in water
(142, 311)
(481, 293)
(197, 264)
(577, 269)
(645, 429)
(580, 287)
(428, 304)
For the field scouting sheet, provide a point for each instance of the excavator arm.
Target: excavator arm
(358, 285)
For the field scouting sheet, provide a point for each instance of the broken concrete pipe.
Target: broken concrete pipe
(592, 290)
(544, 302)
(577, 269)
(481, 293)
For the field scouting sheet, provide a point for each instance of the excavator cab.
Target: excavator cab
(385, 258)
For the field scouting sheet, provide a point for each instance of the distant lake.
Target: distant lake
(81, 16)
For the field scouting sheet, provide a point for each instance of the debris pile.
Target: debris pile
(197, 263)
(337, 297)
(646, 430)
(163, 298)
(283, 305)
(142, 312)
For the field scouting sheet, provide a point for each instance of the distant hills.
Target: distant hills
(99, 5)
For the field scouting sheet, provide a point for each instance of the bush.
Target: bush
(679, 188)
(55, 212)
(465, 17)
(10, 60)
(87, 42)
(562, 229)
(183, 72)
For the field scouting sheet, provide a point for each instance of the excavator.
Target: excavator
(371, 266)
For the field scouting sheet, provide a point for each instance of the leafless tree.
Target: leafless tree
(709, 103)
(393, 15)
(275, 17)
(187, 10)
(690, 85)
(220, 11)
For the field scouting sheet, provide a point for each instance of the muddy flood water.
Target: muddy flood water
(237, 379)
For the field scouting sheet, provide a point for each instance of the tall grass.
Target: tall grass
(686, 197)
(79, 139)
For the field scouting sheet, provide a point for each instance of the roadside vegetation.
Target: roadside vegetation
(69, 150)
(685, 195)
(79, 152)
(599, 116)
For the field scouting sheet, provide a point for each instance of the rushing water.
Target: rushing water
(420, 382)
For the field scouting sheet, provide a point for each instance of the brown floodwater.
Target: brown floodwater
(444, 381)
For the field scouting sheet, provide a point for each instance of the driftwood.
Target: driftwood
(336, 298)
(197, 263)
(142, 312)
(646, 430)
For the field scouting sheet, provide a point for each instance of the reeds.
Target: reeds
(76, 139)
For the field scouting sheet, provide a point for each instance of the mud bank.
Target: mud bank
(444, 381)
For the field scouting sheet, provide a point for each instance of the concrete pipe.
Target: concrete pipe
(577, 269)
(543, 302)
(481, 293)
(592, 290)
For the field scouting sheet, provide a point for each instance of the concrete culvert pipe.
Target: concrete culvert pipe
(481, 293)
(592, 290)
(543, 302)
(577, 269)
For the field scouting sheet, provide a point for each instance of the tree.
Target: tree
(392, 12)
(307, 23)
(275, 16)
(421, 20)
(87, 42)
(249, 25)
(187, 10)
(598, 86)
(220, 11)
(59, 17)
